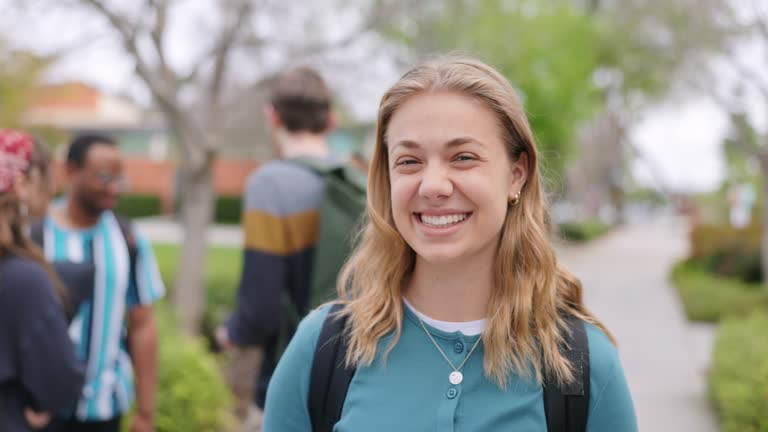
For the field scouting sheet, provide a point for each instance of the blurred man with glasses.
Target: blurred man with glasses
(114, 329)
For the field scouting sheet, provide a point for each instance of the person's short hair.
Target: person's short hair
(79, 147)
(302, 100)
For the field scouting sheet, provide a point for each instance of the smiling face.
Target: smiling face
(451, 176)
(97, 184)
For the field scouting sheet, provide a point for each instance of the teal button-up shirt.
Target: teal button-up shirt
(411, 391)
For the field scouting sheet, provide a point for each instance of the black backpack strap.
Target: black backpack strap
(36, 232)
(330, 378)
(126, 228)
(567, 407)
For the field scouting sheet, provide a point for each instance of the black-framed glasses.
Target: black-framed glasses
(107, 179)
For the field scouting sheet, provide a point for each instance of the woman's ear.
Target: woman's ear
(518, 175)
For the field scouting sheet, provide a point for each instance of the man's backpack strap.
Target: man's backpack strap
(36, 232)
(126, 228)
(567, 407)
(330, 378)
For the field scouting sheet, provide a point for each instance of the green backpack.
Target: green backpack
(341, 215)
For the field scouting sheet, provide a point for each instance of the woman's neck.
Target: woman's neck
(451, 292)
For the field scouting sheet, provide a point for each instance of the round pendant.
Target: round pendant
(456, 377)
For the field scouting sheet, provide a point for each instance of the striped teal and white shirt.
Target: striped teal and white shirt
(98, 329)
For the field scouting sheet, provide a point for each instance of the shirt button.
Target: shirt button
(451, 393)
(459, 347)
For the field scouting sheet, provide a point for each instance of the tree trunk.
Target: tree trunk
(764, 242)
(196, 213)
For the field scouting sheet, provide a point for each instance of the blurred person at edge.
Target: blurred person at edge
(33, 324)
(114, 330)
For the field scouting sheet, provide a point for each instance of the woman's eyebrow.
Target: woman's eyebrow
(456, 142)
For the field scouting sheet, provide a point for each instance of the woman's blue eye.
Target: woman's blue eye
(464, 158)
(407, 162)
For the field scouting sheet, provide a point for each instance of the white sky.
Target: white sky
(681, 140)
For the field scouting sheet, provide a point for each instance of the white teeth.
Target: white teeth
(443, 220)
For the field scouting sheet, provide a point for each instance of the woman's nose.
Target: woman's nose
(435, 182)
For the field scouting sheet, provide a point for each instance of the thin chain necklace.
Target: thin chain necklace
(456, 377)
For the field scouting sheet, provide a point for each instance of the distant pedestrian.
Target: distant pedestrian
(282, 201)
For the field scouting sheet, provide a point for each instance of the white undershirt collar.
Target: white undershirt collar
(468, 328)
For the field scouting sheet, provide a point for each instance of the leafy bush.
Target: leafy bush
(191, 392)
(707, 297)
(583, 231)
(228, 210)
(728, 251)
(136, 206)
(738, 382)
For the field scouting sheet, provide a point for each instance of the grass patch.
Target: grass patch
(738, 382)
(710, 298)
(222, 276)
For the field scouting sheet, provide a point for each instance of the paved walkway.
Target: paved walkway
(166, 230)
(664, 357)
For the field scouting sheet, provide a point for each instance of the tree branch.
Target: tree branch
(761, 22)
(157, 33)
(748, 75)
(160, 88)
(223, 51)
(380, 14)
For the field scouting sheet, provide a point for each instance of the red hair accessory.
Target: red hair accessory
(15, 153)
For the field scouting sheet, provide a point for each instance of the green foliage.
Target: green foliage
(583, 231)
(706, 297)
(547, 49)
(222, 275)
(228, 210)
(192, 394)
(738, 382)
(19, 73)
(137, 206)
(728, 251)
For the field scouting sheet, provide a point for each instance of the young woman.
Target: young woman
(457, 312)
(38, 369)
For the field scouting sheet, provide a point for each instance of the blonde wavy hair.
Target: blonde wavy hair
(532, 294)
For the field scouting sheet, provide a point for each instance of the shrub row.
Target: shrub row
(227, 210)
(708, 297)
(191, 392)
(583, 231)
(738, 382)
(728, 251)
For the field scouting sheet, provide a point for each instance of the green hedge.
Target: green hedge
(728, 251)
(192, 394)
(738, 381)
(228, 210)
(583, 231)
(137, 206)
(707, 297)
